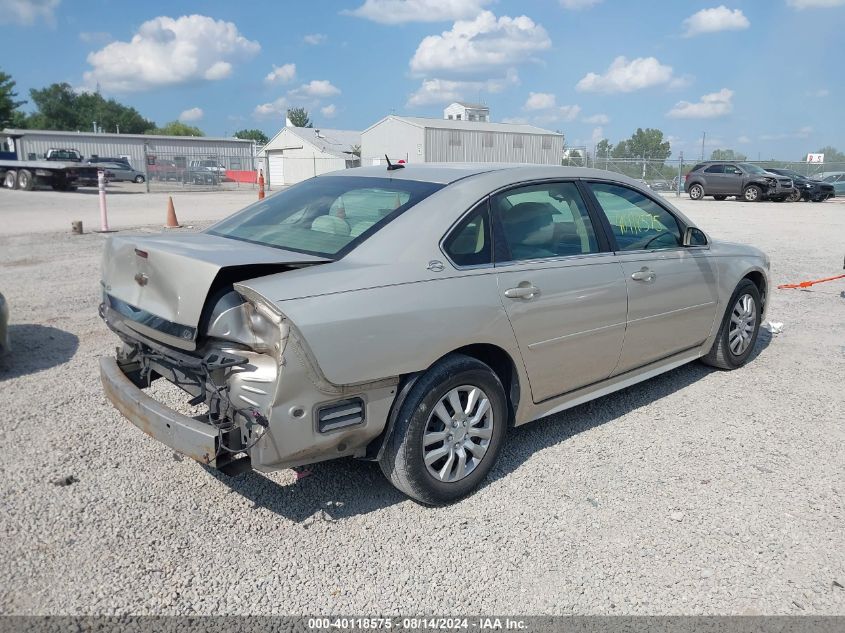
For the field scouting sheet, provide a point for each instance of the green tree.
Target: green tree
(8, 104)
(176, 128)
(647, 144)
(831, 155)
(727, 154)
(59, 107)
(299, 117)
(253, 135)
(603, 148)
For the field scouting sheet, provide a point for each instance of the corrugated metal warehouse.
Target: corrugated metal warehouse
(418, 139)
(298, 153)
(231, 153)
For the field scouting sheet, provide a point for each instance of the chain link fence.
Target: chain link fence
(200, 172)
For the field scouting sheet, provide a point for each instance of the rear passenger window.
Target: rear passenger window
(637, 222)
(545, 220)
(470, 243)
(715, 169)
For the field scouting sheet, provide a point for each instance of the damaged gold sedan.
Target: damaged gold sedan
(411, 315)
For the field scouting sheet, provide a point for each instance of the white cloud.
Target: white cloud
(624, 75)
(95, 37)
(743, 140)
(315, 39)
(192, 114)
(272, 109)
(803, 132)
(597, 135)
(401, 11)
(539, 101)
(814, 4)
(558, 113)
(577, 5)
(597, 119)
(28, 12)
(167, 51)
(316, 89)
(281, 74)
(713, 20)
(820, 93)
(710, 106)
(484, 44)
(329, 111)
(445, 91)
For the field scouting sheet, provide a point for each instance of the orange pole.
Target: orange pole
(261, 184)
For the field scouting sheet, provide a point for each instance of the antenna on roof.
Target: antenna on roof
(391, 166)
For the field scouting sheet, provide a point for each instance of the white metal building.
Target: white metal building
(232, 153)
(298, 153)
(422, 140)
(461, 111)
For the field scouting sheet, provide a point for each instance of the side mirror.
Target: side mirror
(694, 237)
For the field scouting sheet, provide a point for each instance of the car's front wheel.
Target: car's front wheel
(139, 179)
(752, 193)
(448, 431)
(739, 329)
(696, 192)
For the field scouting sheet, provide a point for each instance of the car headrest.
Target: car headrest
(330, 224)
(529, 223)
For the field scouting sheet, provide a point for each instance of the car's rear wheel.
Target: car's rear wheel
(696, 192)
(795, 196)
(139, 179)
(719, 197)
(10, 181)
(752, 193)
(448, 431)
(740, 326)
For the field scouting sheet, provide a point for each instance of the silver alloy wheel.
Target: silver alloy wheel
(751, 194)
(457, 434)
(743, 321)
(696, 192)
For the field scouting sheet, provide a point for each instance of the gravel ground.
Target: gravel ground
(698, 492)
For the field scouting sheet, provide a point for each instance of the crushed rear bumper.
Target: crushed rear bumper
(197, 440)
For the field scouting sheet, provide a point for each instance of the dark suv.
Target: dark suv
(746, 181)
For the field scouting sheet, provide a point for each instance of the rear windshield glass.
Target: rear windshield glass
(326, 215)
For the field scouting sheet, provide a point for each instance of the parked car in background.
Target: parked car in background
(121, 172)
(166, 170)
(366, 313)
(838, 183)
(805, 188)
(63, 154)
(205, 172)
(5, 345)
(106, 159)
(746, 181)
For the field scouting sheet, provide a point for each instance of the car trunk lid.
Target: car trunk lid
(159, 284)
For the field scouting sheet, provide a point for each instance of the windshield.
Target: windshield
(752, 169)
(324, 216)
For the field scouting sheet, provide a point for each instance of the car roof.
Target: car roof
(446, 173)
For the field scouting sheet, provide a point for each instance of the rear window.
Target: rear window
(325, 216)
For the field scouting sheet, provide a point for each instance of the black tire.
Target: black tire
(752, 193)
(10, 180)
(403, 461)
(721, 355)
(696, 192)
(719, 198)
(139, 179)
(26, 180)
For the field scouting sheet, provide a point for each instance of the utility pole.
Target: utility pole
(703, 136)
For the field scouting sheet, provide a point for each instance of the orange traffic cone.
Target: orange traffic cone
(172, 222)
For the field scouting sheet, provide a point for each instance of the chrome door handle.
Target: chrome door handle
(522, 292)
(644, 274)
